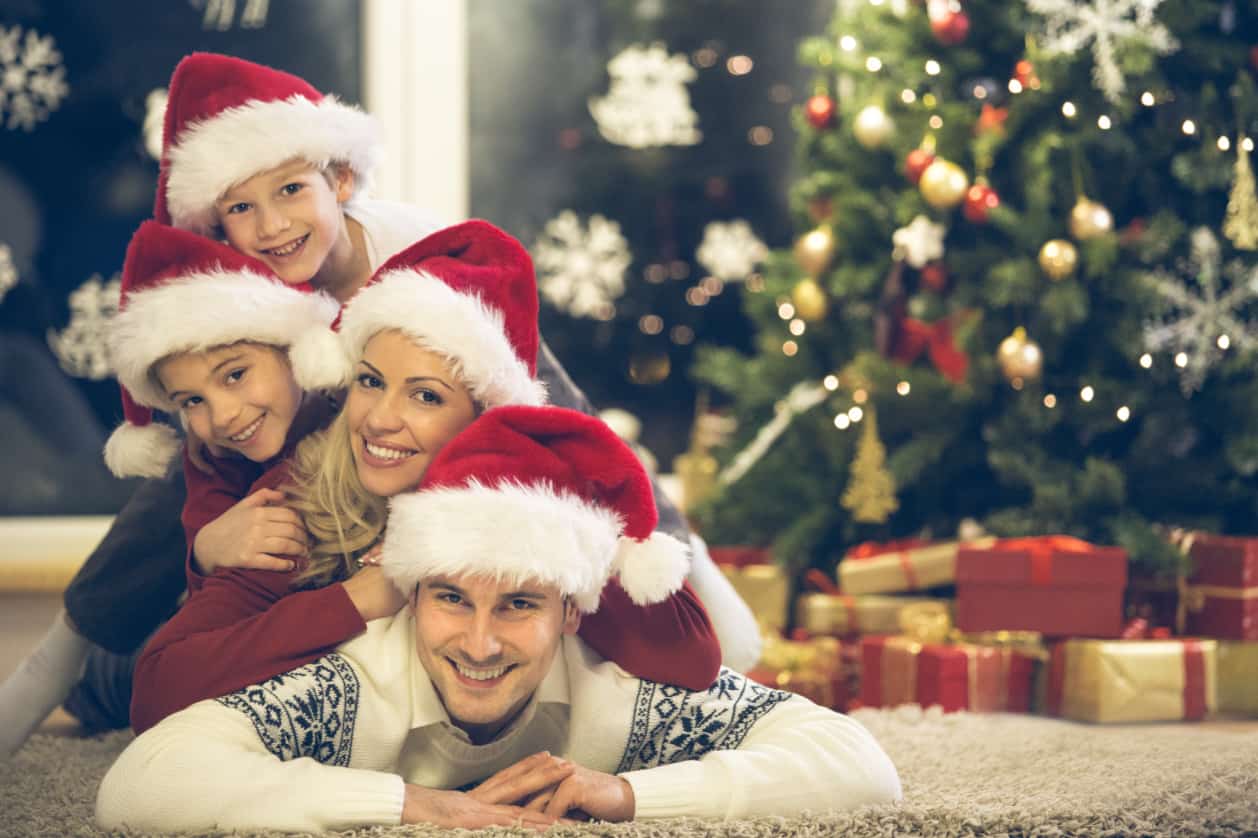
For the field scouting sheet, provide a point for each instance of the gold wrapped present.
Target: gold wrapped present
(837, 615)
(763, 585)
(814, 668)
(1132, 680)
(1238, 677)
(890, 568)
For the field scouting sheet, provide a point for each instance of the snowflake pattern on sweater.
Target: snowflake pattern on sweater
(308, 712)
(673, 724)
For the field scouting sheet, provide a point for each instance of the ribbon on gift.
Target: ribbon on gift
(1041, 549)
(926, 622)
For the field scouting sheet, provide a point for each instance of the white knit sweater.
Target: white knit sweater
(330, 745)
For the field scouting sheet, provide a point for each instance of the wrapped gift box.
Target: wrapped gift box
(1132, 680)
(1056, 585)
(899, 566)
(839, 615)
(816, 668)
(762, 584)
(960, 676)
(1222, 593)
(1238, 677)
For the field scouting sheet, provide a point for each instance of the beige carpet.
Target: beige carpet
(963, 775)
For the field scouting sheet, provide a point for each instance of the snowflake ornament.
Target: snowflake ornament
(1071, 24)
(219, 14)
(8, 271)
(920, 243)
(648, 103)
(81, 346)
(730, 250)
(32, 78)
(1203, 322)
(582, 270)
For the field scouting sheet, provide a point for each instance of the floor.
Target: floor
(24, 617)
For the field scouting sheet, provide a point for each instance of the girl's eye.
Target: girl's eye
(428, 397)
(236, 209)
(369, 381)
(235, 375)
(190, 402)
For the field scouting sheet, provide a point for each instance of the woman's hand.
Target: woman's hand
(371, 591)
(257, 533)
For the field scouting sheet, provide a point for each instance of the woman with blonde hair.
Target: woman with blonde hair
(444, 331)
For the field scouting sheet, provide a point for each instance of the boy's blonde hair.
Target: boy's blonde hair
(344, 519)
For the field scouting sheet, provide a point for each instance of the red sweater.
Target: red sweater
(241, 627)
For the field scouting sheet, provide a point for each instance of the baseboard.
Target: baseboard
(43, 553)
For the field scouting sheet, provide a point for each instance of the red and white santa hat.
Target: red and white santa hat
(228, 119)
(540, 494)
(182, 292)
(467, 292)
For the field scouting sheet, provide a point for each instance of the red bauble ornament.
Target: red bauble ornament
(980, 199)
(935, 277)
(915, 162)
(950, 28)
(820, 111)
(820, 209)
(1024, 74)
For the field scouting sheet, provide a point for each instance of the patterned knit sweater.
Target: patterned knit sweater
(330, 745)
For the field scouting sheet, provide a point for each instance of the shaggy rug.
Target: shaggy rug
(963, 775)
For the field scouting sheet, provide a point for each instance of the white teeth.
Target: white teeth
(288, 249)
(387, 453)
(248, 432)
(480, 674)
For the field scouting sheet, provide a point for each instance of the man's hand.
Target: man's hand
(256, 533)
(456, 809)
(604, 797)
(527, 779)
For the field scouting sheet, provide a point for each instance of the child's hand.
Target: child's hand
(257, 533)
(373, 594)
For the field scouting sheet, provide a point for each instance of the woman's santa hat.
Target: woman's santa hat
(535, 494)
(228, 119)
(467, 292)
(185, 293)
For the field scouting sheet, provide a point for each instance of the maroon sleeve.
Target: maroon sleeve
(209, 496)
(671, 642)
(242, 627)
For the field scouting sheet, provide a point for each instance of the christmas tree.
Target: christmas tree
(1025, 244)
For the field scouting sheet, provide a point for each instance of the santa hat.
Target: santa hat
(541, 494)
(185, 293)
(229, 119)
(468, 293)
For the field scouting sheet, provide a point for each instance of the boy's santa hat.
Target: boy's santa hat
(182, 292)
(468, 293)
(540, 494)
(228, 119)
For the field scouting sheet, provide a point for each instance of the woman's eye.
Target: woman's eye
(428, 397)
(367, 380)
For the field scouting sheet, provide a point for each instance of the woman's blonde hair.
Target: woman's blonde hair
(344, 519)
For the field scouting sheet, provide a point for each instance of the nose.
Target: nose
(271, 222)
(384, 417)
(480, 641)
(224, 411)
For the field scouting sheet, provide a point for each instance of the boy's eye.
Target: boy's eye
(368, 381)
(292, 188)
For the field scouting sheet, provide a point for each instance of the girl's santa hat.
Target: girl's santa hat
(468, 293)
(182, 292)
(535, 494)
(228, 119)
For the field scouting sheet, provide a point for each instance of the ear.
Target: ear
(345, 182)
(571, 616)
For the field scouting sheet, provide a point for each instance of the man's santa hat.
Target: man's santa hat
(182, 292)
(467, 292)
(228, 119)
(535, 494)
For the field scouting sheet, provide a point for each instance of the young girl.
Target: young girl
(446, 330)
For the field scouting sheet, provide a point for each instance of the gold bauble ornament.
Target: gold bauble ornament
(1058, 258)
(815, 249)
(873, 127)
(943, 184)
(1090, 219)
(1019, 357)
(810, 300)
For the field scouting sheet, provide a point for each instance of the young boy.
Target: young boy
(232, 131)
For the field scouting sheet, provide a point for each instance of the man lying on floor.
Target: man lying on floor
(478, 705)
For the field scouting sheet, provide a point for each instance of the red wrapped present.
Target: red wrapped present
(1222, 594)
(961, 676)
(1055, 585)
